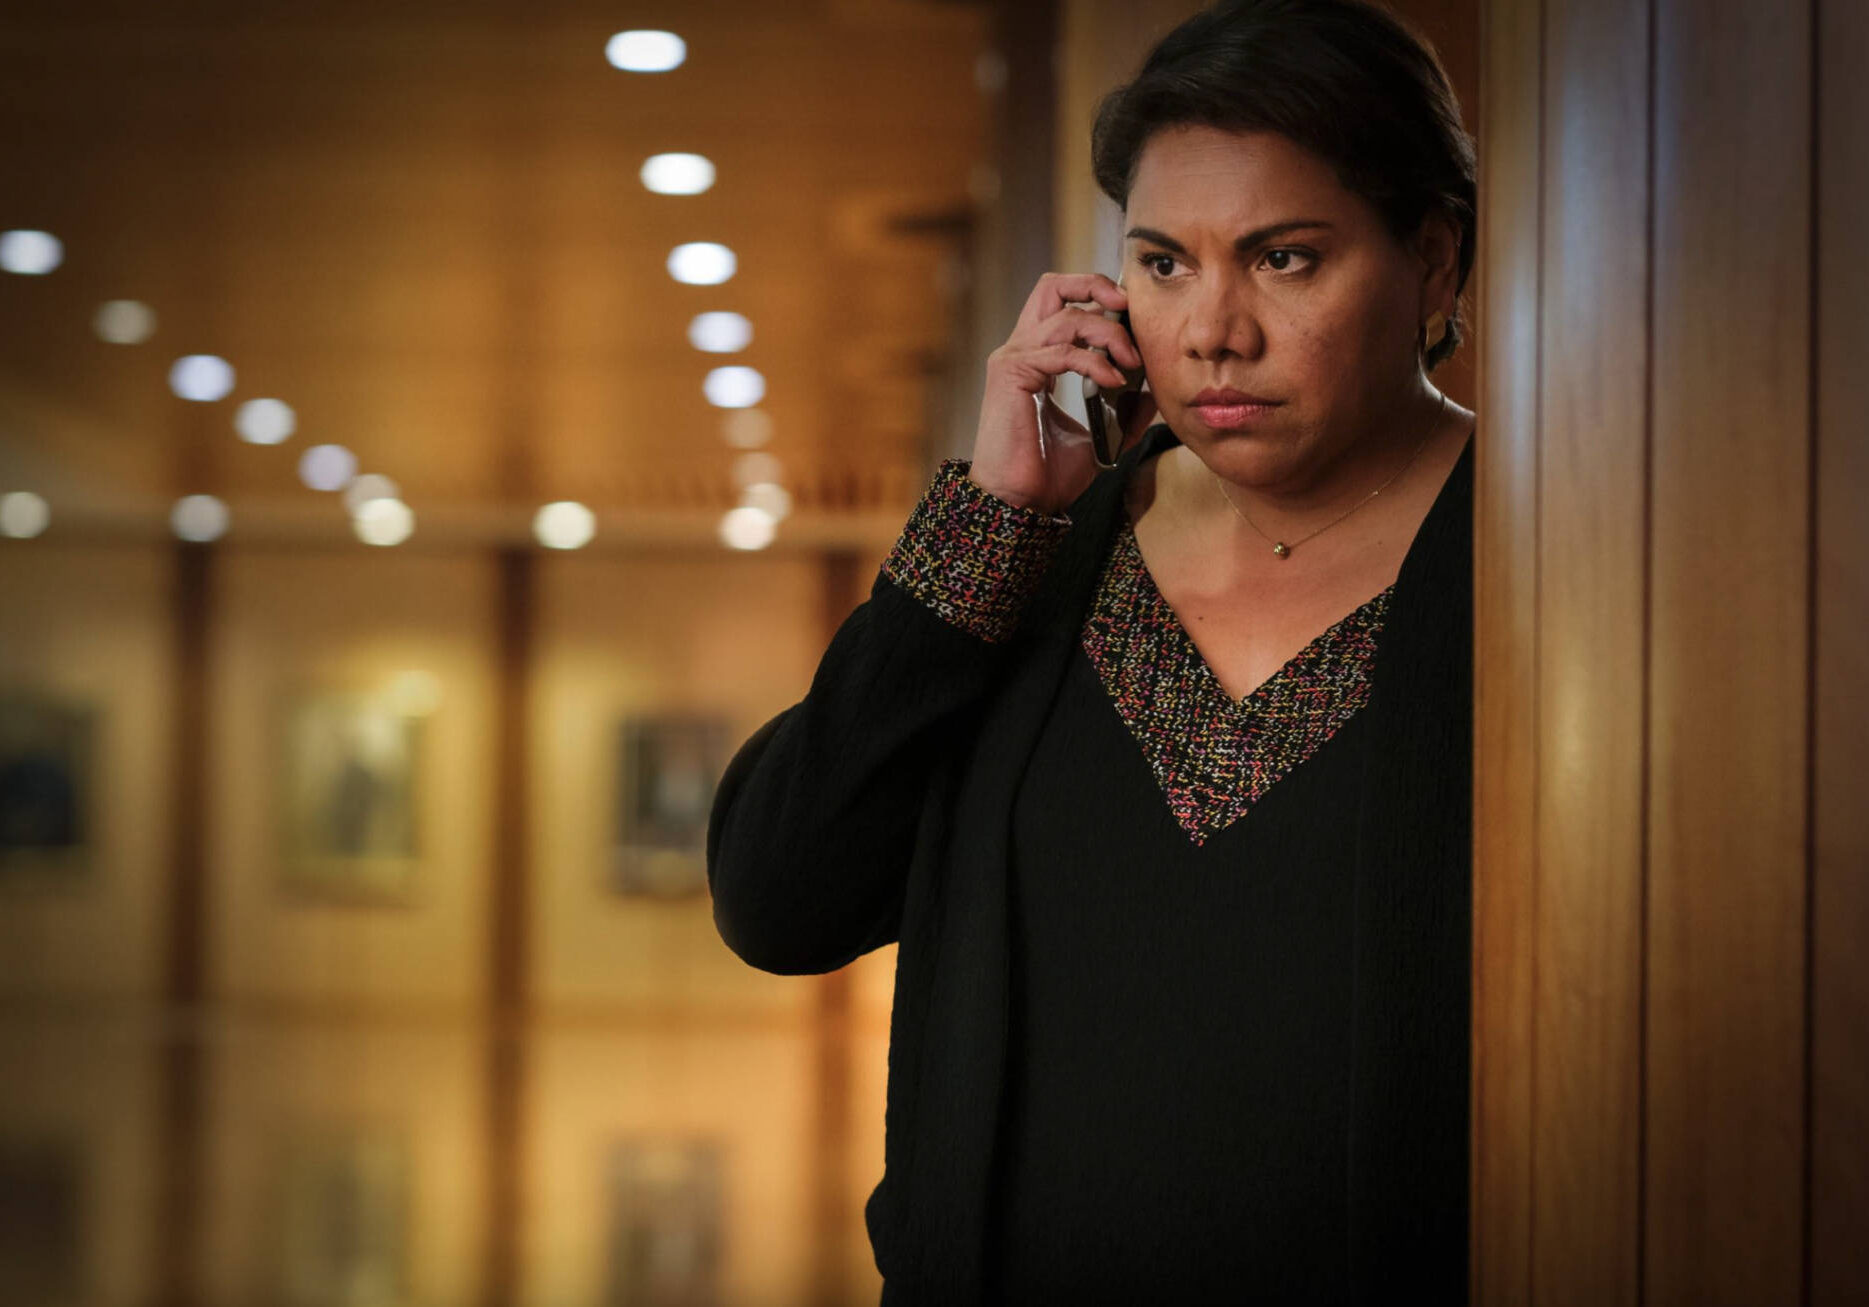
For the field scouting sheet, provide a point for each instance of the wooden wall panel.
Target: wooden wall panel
(1728, 672)
(1591, 592)
(1505, 675)
(1672, 574)
(1839, 1127)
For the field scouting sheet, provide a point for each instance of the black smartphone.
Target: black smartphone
(1108, 412)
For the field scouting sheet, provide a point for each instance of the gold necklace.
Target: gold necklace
(1282, 549)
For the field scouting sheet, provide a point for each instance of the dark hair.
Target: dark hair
(1346, 80)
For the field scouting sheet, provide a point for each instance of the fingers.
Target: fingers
(1033, 368)
(1080, 326)
(1057, 289)
(1064, 357)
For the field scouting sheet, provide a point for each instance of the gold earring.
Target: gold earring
(1432, 330)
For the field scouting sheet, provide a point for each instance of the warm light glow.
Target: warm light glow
(702, 263)
(564, 525)
(23, 515)
(384, 522)
(747, 428)
(413, 693)
(734, 387)
(751, 469)
(369, 486)
(747, 528)
(327, 467)
(720, 333)
(203, 378)
(199, 518)
(30, 253)
(677, 174)
(645, 51)
(768, 497)
(265, 421)
(124, 322)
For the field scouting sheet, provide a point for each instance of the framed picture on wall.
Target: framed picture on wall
(352, 769)
(342, 1217)
(667, 768)
(47, 813)
(42, 1219)
(664, 1241)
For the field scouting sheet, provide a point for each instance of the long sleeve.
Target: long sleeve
(814, 822)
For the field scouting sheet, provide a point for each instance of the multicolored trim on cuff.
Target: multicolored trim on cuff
(972, 557)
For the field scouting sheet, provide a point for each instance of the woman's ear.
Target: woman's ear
(1437, 247)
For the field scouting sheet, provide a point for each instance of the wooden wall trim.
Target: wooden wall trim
(1838, 1147)
(1505, 601)
(1592, 595)
(1727, 679)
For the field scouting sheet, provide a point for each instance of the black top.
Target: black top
(904, 799)
(1176, 1113)
(1178, 1069)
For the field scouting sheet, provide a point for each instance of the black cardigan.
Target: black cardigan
(877, 809)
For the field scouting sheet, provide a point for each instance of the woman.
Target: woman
(1160, 775)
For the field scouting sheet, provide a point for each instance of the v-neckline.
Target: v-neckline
(1126, 533)
(1214, 756)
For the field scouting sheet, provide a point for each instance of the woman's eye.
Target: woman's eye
(1280, 260)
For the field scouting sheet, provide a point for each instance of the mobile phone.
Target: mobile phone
(1108, 412)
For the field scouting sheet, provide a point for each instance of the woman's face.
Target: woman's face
(1253, 274)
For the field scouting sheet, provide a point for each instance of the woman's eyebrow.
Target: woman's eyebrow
(1250, 241)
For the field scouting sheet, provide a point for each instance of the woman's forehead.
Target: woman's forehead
(1206, 175)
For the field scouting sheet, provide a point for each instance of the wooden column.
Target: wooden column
(509, 927)
(178, 1199)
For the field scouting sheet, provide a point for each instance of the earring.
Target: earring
(1432, 330)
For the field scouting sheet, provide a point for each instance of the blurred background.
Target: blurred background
(432, 437)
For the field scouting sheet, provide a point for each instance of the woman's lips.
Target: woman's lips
(1230, 414)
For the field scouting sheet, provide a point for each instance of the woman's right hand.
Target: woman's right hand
(1014, 458)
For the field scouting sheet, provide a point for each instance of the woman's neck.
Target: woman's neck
(1310, 497)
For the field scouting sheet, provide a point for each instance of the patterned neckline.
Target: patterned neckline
(1213, 756)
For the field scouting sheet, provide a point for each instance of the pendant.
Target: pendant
(1282, 549)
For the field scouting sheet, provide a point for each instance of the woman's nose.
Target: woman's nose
(1219, 324)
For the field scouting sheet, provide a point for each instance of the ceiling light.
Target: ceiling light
(645, 51)
(30, 253)
(369, 486)
(384, 522)
(720, 333)
(746, 528)
(23, 515)
(327, 467)
(768, 497)
(124, 322)
(734, 387)
(203, 378)
(701, 263)
(564, 525)
(677, 174)
(265, 421)
(199, 518)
